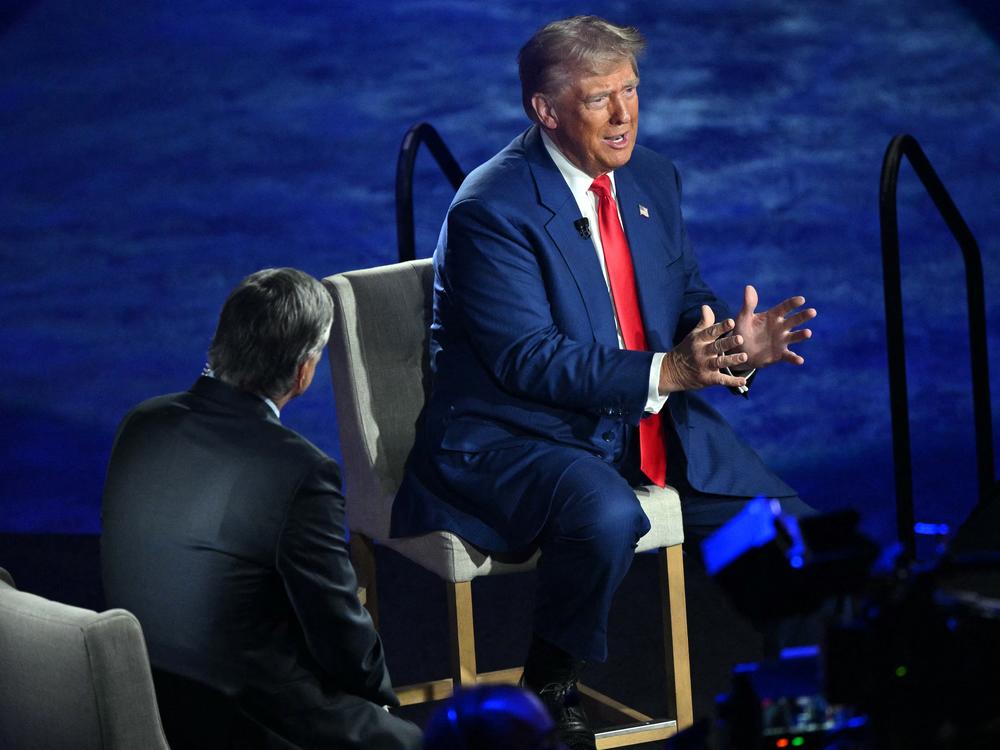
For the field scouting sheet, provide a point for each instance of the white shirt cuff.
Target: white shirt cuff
(654, 401)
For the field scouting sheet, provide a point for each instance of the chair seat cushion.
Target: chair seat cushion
(452, 558)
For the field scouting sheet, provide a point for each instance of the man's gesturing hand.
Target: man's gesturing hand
(767, 335)
(697, 360)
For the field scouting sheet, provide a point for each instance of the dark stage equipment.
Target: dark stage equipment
(909, 658)
(773, 565)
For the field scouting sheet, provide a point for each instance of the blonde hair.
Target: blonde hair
(563, 49)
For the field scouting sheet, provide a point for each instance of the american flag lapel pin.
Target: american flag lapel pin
(643, 211)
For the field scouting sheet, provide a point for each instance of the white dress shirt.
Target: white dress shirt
(207, 372)
(579, 183)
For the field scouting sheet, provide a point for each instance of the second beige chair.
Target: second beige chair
(379, 366)
(73, 679)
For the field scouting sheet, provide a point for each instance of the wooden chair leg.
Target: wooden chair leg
(675, 632)
(363, 559)
(463, 641)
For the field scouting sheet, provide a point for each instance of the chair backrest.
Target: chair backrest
(379, 367)
(73, 678)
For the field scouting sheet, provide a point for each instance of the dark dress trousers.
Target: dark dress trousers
(224, 533)
(533, 403)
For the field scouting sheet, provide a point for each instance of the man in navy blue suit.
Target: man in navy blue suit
(571, 326)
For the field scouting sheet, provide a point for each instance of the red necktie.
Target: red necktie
(621, 275)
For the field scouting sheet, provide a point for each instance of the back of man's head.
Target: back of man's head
(581, 45)
(491, 717)
(272, 322)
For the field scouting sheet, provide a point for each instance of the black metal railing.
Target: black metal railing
(900, 146)
(420, 133)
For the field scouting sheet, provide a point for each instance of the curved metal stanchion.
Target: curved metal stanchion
(900, 146)
(420, 133)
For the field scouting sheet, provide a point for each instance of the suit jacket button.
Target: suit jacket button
(608, 436)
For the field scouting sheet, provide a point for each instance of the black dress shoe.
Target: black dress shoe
(562, 700)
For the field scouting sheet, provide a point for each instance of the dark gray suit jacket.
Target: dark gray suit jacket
(224, 533)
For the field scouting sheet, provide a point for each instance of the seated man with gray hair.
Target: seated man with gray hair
(224, 533)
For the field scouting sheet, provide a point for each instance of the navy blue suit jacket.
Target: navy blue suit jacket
(524, 345)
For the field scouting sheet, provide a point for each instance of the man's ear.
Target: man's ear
(544, 111)
(302, 376)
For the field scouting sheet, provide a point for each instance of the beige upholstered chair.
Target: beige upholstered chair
(72, 678)
(378, 360)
